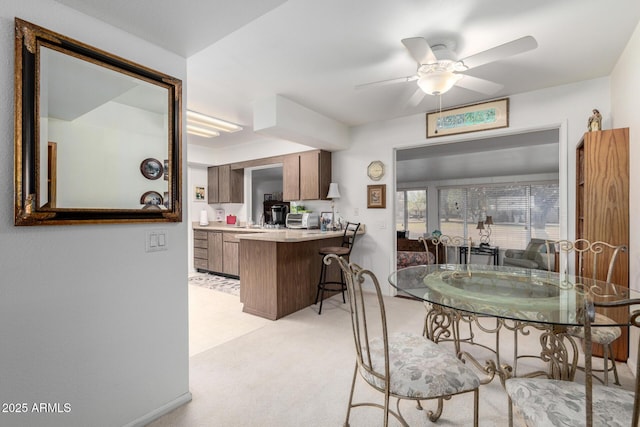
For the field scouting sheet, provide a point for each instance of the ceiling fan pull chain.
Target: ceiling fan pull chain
(439, 121)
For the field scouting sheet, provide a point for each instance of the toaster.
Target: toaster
(303, 220)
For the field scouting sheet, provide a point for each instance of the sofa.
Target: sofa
(534, 256)
(412, 252)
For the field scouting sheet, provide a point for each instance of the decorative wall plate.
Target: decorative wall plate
(151, 168)
(151, 198)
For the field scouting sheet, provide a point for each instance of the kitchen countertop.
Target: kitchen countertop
(223, 226)
(273, 234)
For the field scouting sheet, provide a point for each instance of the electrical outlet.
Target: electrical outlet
(382, 225)
(356, 211)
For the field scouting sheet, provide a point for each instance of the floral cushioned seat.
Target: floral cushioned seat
(545, 402)
(419, 367)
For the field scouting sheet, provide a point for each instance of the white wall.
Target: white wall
(99, 156)
(86, 316)
(567, 107)
(625, 104)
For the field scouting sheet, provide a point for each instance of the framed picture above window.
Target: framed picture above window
(469, 118)
(377, 196)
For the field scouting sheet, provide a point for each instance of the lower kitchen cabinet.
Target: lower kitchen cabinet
(200, 250)
(230, 254)
(216, 252)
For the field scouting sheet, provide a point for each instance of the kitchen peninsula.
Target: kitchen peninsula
(278, 269)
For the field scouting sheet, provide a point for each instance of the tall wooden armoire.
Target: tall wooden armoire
(602, 205)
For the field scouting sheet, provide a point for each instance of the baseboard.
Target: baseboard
(157, 413)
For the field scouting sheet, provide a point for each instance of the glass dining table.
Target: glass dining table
(518, 299)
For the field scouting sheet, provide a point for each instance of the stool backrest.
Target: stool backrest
(349, 236)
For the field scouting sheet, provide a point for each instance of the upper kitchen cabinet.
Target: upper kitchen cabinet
(306, 176)
(226, 185)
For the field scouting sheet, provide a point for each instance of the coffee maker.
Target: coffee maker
(279, 214)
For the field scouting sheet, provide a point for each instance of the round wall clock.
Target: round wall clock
(375, 170)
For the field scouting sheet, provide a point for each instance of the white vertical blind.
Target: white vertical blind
(519, 212)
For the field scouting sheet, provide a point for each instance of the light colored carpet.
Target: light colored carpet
(296, 371)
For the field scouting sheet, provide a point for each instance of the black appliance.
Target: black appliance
(279, 214)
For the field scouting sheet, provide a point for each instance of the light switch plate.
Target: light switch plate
(156, 240)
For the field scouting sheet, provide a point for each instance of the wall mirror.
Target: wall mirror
(97, 137)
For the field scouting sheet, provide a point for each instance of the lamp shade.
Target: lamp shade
(488, 220)
(438, 82)
(480, 225)
(333, 193)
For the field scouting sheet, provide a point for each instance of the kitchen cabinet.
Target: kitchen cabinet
(216, 251)
(306, 175)
(602, 206)
(230, 253)
(200, 250)
(225, 185)
(207, 250)
(291, 177)
(280, 276)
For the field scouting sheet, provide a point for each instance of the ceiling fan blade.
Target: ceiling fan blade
(420, 50)
(416, 98)
(387, 82)
(497, 53)
(479, 85)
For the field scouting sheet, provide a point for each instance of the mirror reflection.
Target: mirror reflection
(98, 125)
(97, 137)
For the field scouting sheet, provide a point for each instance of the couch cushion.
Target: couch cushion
(411, 258)
(534, 248)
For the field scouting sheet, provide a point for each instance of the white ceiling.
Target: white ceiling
(315, 52)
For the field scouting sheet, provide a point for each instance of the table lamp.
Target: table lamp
(333, 194)
(485, 236)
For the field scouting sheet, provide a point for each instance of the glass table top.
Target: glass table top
(520, 294)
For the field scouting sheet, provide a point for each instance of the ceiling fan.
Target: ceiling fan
(439, 69)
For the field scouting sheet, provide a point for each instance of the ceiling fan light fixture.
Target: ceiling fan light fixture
(438, 82)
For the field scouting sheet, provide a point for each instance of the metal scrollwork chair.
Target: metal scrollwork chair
(598, 252)
(597, 256)
(439, 324)
(402, 365)
(544, 402)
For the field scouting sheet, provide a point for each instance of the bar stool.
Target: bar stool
(348, 239)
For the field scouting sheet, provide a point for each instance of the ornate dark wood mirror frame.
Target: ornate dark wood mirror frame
(36, 156)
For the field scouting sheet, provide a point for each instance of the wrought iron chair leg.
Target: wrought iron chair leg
(476, 404)
(434, 416)
(353, 386)
(510, 413)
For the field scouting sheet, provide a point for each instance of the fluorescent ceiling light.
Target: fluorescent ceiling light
(201, 131)
(202, 120)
